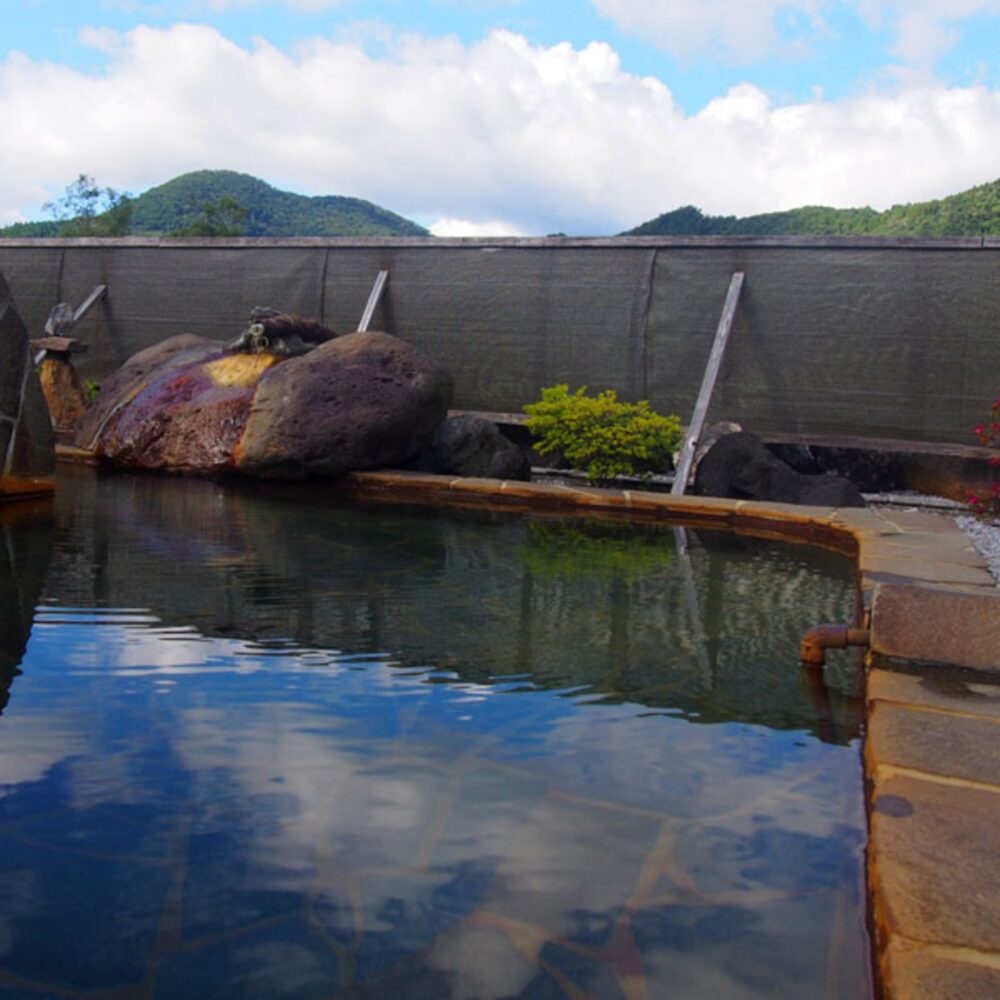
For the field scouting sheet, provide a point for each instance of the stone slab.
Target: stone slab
(943, 689)
(937, 625)
(947, 745)
(914, 973)
(933, 862)
(935, 546)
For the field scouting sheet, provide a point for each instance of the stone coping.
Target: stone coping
(25, 487)
(932, 746)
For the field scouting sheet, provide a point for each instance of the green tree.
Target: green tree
(223, 217)
(88, 210)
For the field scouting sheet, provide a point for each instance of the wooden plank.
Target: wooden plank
(373, 299)
(492, 415)
(88, 303)
(946, 449)
(62, 345)
(708, 383)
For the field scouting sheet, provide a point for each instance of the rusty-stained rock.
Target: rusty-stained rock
(362, 401)
(187, 419)
(358, 402)
(63, 392)
(135, 374)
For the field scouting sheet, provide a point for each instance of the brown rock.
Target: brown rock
(63, 392)
(361, 401)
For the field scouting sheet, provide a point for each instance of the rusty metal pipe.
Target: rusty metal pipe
(820, 638)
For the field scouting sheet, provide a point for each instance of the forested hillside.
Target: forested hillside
(975, 212)
(202, 203)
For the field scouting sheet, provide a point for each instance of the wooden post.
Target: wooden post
(707, 384)
(373, 299)
(85, 306)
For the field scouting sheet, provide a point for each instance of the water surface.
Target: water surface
(264, 743)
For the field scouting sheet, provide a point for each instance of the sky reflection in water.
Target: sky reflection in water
(267, 745)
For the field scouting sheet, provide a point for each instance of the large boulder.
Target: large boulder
(469, 445)
(27, 442)
(740, 466)
(358, 402)
(362, 401)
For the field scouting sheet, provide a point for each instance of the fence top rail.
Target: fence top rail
(516, 242)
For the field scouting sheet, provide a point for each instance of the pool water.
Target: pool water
(267, 743)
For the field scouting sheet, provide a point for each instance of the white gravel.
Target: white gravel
(985, 536)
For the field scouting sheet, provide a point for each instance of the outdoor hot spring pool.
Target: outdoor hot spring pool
(265, 743)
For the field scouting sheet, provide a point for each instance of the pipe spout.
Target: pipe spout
(820, 638)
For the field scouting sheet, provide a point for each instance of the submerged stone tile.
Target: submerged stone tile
(278, 960)
(937, 625)
(950, 746)
(562, 855)
(78, 923)
(913, 973)
(933, 862)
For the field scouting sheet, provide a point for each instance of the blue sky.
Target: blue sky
(507, 116)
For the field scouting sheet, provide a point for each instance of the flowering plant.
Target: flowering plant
(989, 435)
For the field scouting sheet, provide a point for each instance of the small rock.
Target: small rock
(740, 466)
(469, 445)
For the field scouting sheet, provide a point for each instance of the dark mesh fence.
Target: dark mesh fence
(885, 339)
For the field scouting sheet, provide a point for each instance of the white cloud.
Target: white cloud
(467, 227)
(741, 32)
(925, 30)
(745, 32)
(501, 136)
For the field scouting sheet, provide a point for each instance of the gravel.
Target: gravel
(985, 536)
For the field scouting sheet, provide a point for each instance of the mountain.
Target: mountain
(975, 212)
(181, 203)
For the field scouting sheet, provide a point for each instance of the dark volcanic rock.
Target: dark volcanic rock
(468, 445)
(362, 401)
(27, 442)
(740, 466)
(871, 471)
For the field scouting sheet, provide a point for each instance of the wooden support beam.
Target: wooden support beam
(708, 384)
(88, 303)
(373, 300)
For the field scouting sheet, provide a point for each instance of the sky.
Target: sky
(507, 117)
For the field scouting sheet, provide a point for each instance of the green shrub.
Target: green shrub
(601, 436)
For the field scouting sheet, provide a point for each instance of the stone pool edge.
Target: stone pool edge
(932, 742)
